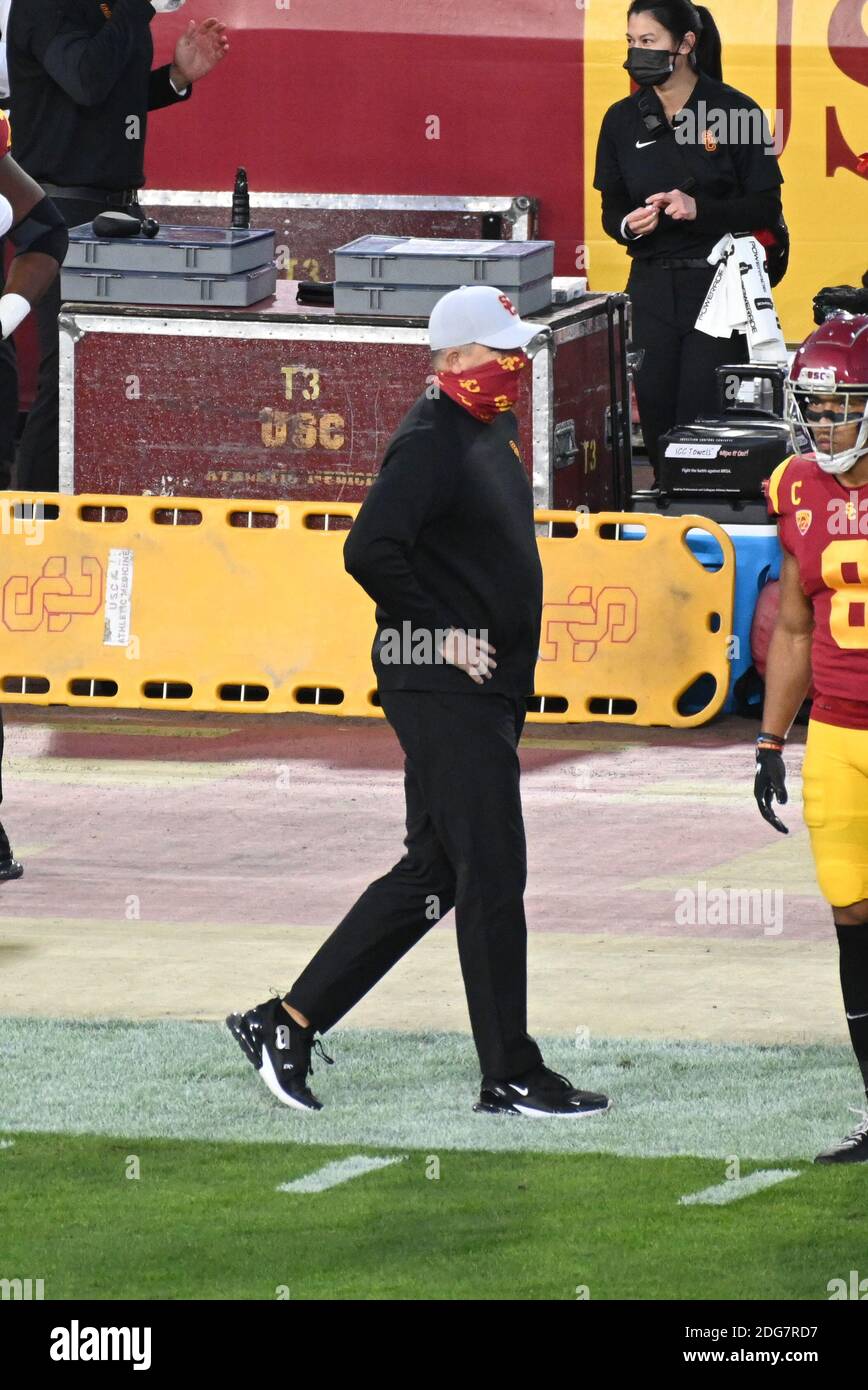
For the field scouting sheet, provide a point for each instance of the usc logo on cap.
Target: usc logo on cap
(508, 304)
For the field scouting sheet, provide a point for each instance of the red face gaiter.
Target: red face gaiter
(488, 390)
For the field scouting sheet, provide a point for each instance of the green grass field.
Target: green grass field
(206, 1221)
(476, 1207)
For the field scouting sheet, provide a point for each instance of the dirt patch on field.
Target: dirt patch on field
(764, 990)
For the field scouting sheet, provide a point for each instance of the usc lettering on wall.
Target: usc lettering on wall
(806, 64)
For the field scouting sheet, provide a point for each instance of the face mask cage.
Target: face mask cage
(818, 417)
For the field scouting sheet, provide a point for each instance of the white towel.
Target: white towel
(740, 299)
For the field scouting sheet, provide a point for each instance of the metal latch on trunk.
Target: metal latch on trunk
(565, 443)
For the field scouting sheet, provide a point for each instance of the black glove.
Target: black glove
(770, 784)
(832, 299)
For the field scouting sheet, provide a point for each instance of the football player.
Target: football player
(39, 234)
(820, 497)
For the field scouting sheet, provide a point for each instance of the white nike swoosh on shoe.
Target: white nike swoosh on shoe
(269, 1076)
(853, 1017)
(522, 1090)
(643, 144)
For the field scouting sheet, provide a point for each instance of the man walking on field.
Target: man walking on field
(445, 545)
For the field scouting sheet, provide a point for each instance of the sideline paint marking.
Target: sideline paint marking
(333, 1174)
(737, 1188)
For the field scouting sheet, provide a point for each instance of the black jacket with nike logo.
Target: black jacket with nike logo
(736, 179)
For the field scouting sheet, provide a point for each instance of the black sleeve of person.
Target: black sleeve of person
(616, 206)
(753, 212)
(607, 170)
(416, 485)
(161, 93)
(756, 163)
(608, 178)
(43, 230)
(85, 65)
(758, 204)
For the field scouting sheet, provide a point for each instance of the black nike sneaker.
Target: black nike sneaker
(539, 1094)
(280, 1050)
(9, 865)
(853, 1149)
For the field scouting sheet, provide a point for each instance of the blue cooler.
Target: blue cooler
(757, 562)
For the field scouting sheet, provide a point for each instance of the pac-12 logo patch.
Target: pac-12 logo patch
(803, 521)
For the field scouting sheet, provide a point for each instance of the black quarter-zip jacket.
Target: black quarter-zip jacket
(445, 538)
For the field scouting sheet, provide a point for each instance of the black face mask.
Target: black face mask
(650, 67)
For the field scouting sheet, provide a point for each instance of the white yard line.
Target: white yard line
(736, 1188)
(333, 1174)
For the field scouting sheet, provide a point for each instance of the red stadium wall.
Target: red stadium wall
(337, 97)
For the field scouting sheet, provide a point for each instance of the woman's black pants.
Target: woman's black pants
(676, 382)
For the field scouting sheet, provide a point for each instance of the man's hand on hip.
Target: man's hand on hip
(468, 653)
(198, 51)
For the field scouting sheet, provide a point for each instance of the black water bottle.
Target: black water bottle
(241, 202)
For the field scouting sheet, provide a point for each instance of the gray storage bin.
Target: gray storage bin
(417, 301)
(184, 250)
(139, 287)
(439, 261)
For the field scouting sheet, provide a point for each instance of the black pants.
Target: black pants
(676, 382)
(38, 450)
(465, 848)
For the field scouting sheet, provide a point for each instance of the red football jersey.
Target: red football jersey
(5, 135)
(824, 525)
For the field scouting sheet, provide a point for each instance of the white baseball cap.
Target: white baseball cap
(478, 314)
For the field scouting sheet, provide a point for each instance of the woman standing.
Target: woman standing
(680, 162)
